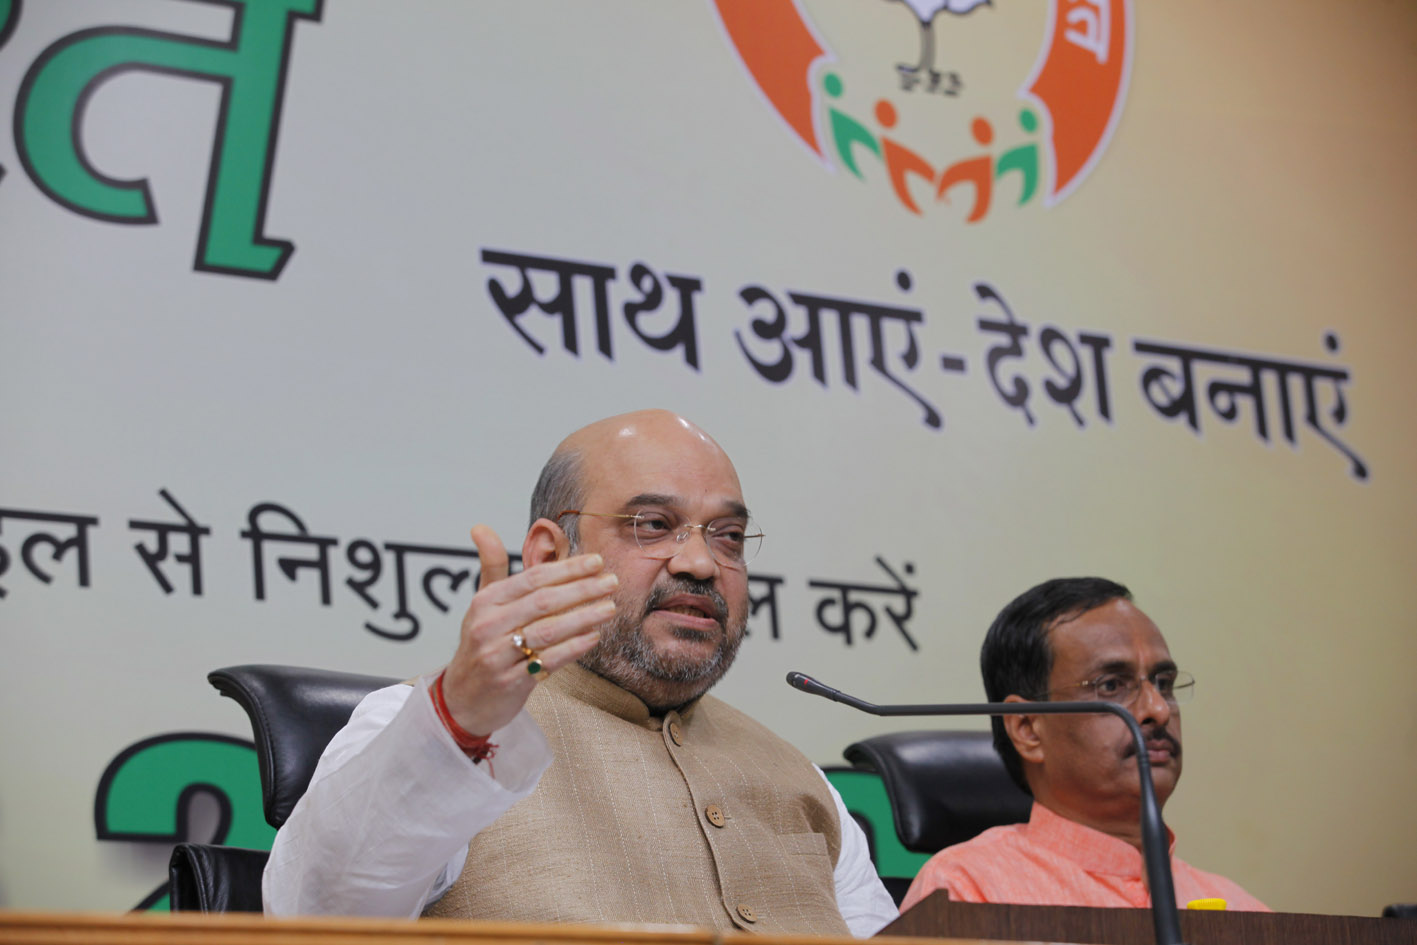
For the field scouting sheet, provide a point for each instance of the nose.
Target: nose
(1151, 705)
(692, 556)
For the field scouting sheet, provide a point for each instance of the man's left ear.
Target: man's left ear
(545, 542)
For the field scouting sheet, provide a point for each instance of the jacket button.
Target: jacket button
(676, 733)
(746, 913)
(714, 813)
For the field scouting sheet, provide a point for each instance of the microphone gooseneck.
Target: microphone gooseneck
(1155, 852)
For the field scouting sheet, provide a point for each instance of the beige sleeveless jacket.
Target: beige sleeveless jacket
(702, 817)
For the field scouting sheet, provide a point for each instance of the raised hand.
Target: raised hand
(556, 607)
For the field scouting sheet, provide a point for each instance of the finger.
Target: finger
(558, 628)
(562, 654)
(552, 601)
(545, 575)
(489, 624)
(515, 679)
(492, 553)
(544, 618)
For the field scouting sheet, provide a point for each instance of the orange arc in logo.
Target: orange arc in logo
(778, 48)
(1080, 81)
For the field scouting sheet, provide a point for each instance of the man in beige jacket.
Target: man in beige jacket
(566, 764)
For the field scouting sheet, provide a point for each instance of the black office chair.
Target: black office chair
(944, 788)
(294, 713)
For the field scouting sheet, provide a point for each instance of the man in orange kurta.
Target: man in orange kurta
(1077, 639)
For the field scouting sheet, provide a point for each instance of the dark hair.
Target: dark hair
(1016, 658)
(558, 488)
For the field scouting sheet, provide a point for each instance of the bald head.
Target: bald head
(597, 450)
(661, 428)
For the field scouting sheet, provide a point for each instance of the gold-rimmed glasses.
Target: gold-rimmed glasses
(732, 540)
(1123, 688)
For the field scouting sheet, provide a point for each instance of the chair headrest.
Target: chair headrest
(945, 787)
(294, 713)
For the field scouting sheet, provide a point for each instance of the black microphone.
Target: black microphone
(1155, 851)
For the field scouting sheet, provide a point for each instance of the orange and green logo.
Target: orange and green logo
(938, 100)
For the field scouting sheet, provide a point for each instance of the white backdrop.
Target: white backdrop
(1254, 199)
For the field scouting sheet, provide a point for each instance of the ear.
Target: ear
(1023, 732)
(544, 542)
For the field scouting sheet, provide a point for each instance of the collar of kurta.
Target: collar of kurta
(585, 686)
(1093, 850)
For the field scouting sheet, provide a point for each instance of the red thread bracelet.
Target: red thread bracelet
(477, 747)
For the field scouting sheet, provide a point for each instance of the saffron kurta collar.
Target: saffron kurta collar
(1093, 850)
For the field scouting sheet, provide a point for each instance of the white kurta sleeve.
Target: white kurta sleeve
(383, 828)
(860, 894)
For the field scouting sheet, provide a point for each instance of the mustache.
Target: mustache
(1159, 735)
(681, 585)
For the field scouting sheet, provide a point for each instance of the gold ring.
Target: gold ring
(533, 658)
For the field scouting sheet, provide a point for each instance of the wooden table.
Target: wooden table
(187, 928)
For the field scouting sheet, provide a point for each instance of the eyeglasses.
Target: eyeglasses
(733, 542)
(1173, 686)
